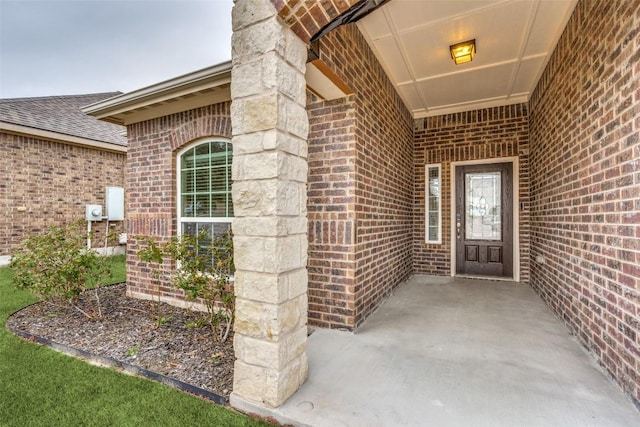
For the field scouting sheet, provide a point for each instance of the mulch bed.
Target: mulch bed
(128, 333)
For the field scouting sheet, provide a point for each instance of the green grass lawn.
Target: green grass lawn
(41, 387)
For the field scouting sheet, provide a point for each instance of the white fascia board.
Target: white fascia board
(60, 137)
(206, 78)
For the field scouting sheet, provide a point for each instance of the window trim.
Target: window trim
(180, 219)
(427, 211)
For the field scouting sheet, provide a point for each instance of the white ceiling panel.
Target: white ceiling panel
(396, 66)
(427, 53)
(547, 26)
(429, 46)
(414, 13)
(378, 26)
(454, 89)
(411, 96)
(528, 74)
(411, 40)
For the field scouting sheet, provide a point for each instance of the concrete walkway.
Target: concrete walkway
(456, 352)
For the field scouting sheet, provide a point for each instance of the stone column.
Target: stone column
(270, 128)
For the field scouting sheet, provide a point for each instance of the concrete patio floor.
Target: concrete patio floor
(456, 352)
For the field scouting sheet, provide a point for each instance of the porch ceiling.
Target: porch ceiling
(514, 40)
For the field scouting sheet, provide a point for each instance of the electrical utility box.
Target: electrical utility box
(93, 212)
(114, 202)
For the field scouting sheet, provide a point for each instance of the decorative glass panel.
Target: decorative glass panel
(483, 208)
(433, 204)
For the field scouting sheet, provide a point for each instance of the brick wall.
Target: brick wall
(585, 182)
(360, 188)
(53, 182)
(331, 212)
(472, 135)
(151, 185)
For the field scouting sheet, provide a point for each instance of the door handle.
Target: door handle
(458, 225)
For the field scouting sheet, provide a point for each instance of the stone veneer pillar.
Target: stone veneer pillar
(270, 129)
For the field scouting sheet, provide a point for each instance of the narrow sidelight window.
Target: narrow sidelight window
(433, 211)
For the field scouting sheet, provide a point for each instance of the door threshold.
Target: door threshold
(493, 278)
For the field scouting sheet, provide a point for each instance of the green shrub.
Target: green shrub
(203, 273)
(56, 267)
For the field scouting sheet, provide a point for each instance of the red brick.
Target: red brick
(54, 182)
(605, 189)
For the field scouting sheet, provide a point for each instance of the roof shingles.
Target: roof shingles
(62, 114)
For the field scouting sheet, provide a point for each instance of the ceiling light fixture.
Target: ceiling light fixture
(463, 52)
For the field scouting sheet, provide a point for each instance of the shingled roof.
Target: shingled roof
(62, 114)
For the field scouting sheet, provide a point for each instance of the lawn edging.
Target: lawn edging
(118, 365)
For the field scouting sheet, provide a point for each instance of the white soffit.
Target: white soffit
(197, 89)
(514, 40)
(324, 82)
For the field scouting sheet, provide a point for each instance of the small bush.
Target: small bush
(56, 267)
(204, 274)
(204, 269)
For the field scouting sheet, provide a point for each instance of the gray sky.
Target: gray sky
(68, 47)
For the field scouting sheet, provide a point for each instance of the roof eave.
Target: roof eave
(48, 135)
(119, 108)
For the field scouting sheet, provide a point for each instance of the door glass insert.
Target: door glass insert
(483, 208)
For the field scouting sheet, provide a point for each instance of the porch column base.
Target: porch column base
(250, 407)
